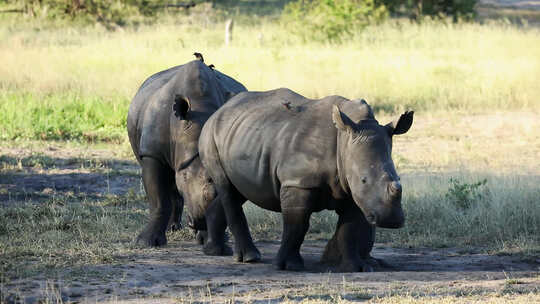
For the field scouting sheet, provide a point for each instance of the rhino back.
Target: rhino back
(229, 84)
(153, 128)
(140, 102)
(267, 140)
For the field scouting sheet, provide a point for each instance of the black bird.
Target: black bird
(199, 56)
(287, 105)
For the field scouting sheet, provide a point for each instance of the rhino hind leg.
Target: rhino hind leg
(201, 236)
(177, 205)
(157, 180)
(350, 245)
(331, 254)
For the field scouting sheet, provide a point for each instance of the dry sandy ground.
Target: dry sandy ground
(181, 273)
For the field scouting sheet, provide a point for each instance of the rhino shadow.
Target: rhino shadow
(42, 177)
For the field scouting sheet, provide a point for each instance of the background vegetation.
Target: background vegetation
(93, 73)
(469, 166)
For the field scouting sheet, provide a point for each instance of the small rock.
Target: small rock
(47, 191)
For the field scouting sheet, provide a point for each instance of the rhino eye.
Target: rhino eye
(363, 180)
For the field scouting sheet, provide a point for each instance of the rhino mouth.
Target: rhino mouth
(371, 218)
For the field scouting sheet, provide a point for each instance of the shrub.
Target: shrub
(108, 12)
(331, 20)
(463, 195)
(458, 9)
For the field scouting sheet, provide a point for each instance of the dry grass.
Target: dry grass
(427, 66)
(474, 88)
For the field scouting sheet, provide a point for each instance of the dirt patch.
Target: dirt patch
(41, 173)
(181, 272)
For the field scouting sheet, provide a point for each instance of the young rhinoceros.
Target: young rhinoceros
(294, 155)
(164, 122)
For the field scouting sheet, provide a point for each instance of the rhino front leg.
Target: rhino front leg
(213, 238)
(366, 240)
(296, 213)
(157, 180)
(244, 249)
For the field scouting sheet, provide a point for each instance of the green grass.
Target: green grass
(503, 216)
(76, 82)
(66, 231)
(62, 117)
(59, 233)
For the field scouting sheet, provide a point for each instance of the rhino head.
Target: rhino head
(198, 95)
(365, 166)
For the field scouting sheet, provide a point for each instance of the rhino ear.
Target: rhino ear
(181, 106)
(401, 125)
(337, 118)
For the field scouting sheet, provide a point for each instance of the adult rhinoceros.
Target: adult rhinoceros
(294, 155)
(164, 123)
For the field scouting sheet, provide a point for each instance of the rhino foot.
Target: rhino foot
(292, 263)
(201, 236)
(174, 227)
(213, 248)
(150, 238)
(378, 263)
(247, 256)
(355, 266)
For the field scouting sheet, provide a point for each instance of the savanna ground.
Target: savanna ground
(71, 200)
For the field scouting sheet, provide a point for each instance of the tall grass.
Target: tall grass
(503, 215)
(429, 66)
(61, 232)
(503, 218)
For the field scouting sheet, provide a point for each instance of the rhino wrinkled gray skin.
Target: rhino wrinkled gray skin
(294, 155)
(164, 122)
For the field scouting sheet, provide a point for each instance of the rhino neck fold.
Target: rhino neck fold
(188, 162)
(341, 138)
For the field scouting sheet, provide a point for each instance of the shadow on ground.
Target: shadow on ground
(42, 177)
(181, 271)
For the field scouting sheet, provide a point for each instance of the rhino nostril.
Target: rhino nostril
(395, 187)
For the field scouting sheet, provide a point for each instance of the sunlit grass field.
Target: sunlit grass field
(82, 79)
(475, 89)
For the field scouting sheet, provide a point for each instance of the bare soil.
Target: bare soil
(180, 272)
(53, 169)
